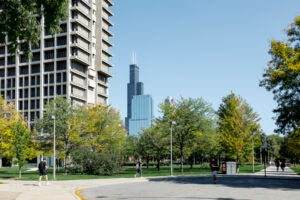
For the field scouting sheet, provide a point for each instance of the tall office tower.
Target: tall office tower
(73, 64)
(142, 113)
(134, 87)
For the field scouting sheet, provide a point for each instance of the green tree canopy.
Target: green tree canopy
(21, 20)
(193, 117)
(282, 77)
(61, 111)
(237, 122)
(99, 139)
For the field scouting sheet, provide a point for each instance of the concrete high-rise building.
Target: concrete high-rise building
(142, 113)
(73, 64)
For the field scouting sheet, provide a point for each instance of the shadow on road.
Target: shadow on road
(238, 181)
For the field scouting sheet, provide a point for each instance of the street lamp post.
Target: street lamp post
(264, 151)
(171, 146)
(54, 148)
(252, 152)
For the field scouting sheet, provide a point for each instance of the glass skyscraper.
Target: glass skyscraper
(142, 113)
(139, 106)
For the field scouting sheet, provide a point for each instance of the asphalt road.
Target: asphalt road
(201, 187)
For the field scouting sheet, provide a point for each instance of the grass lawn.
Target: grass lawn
(296, 169)
(127, 172)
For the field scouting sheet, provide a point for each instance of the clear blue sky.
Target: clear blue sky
(198, 48)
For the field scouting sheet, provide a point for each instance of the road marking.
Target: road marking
(77, 194)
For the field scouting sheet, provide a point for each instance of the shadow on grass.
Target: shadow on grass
(238, 181)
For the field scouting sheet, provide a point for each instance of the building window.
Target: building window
(11, 72)
(49, 42)
(20, 82)
(11, 60)
(32, 82)
(61, 65)
(58, 90)
(49, 55)
(24, 70)
(21, 93)
(46, 79)
(63, 28)
(64, 77)
(51, 90)
(32, 92)
(2, 50)
(51, 78)
(26, 82)
(61, 41)
(23, 59)
(45, 91)
(48, 67)
(61, 53)
(32, 104)
(20, 105)
(2, 61)
(35, 69)
(26, 93)
(58, 77)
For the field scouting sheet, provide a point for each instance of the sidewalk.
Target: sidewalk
(272, 171)
(57, 190)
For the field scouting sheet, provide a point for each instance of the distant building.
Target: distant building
(169, 100)
(141, 113)
(139, 106)
(134, 87)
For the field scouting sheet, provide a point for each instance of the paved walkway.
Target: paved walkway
(65, 190)
(57, 190)
(272, 171)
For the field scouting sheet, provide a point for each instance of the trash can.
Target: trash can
(223, 168)
(231, 168)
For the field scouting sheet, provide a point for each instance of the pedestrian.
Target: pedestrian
(43, 171)
(138, 167)
(214, 170)
(277, 164)
(282, 165)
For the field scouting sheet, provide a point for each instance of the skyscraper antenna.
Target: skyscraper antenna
(134, 58)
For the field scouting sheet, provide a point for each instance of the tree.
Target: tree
(99, 138)
(293, 143)
(22, 143)
(277, 141)
(207, 146)
(192, 117)
(131, 147)
(21, 20)
(61, 110)
(237, 122)
(156, 142)
(16, 139)
(282, 78)
(5, 134)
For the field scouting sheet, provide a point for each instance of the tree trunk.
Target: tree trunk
(147, 160)
(181, 160)
(158, 165)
